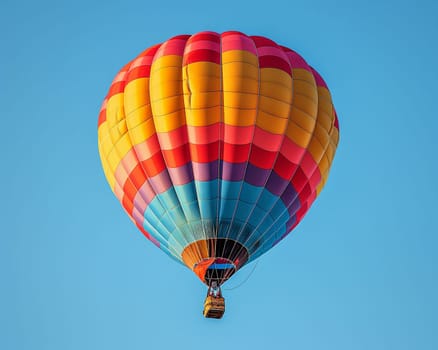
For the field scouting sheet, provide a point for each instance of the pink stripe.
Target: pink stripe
(118, 191)
(205, 32)
(171, 47)
(296, 61)
(140, 204)
(315, 179)
(318, 78)
(137, 216)
(202, 45)
(266, 140)
(205, 171)
(202, 135)
(161, 182)
(144, 196)
(271, 51)
(180, 175)
(142, 61)
(121, 76)
(104, 103)
(148, 148)
(291, 151)
(308, 164)
(173, 139)
(125, 167)
(238, 42)
(238, 135)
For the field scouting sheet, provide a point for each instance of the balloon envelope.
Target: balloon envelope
(217, 145)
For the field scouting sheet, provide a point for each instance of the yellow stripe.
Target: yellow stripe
(119, 143)
(202, 93)
(241, 87)
(101, 134)
(324, 164)
(139, 119)
(278, 77)
(233, 56)
(115, 109)
(136, 95)
(142, 132)
(304, 120)
(166, 91)
(270, 123)
(139, 116)
(274, 104)
(297, 134)
(304, 108)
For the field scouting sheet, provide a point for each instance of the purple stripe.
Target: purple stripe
(144, 196)
(181, 175)
(209, 171)
(205, 171)
(289, 225)
(160, 182)
(256, 176)
(276, 184)
(291, 200)
(289, 194)
(138, 217)
(294, 207)
(233, 171)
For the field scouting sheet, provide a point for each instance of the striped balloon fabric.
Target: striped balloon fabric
(217, 145)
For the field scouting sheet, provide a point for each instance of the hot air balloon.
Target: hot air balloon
(216, 145)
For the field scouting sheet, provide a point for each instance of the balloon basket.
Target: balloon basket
(214, 306)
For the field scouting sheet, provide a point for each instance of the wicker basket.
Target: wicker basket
(214, 307)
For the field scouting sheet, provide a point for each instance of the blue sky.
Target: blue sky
(360, 271)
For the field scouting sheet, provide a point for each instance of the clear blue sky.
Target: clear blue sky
(360, 271)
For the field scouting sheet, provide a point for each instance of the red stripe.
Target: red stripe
(260, 41)
(102, 117)
(202, 153)
(305, 193)
(236, 153)
(180, 37)
(270, 61)
(139, 72)
(315, 179)
(308, 164)
(284, 168)
(299, 180)
(300, 214)
(154, 165)
(128, 189)
(262, 158)
(177, 157)
(202, 56)
(116, 88)
(232, 32)
(151, 51)
(210, 36)
(132, 184)
(137, 177)
(336, 119)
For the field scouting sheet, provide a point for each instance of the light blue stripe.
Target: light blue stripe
(184, 220)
